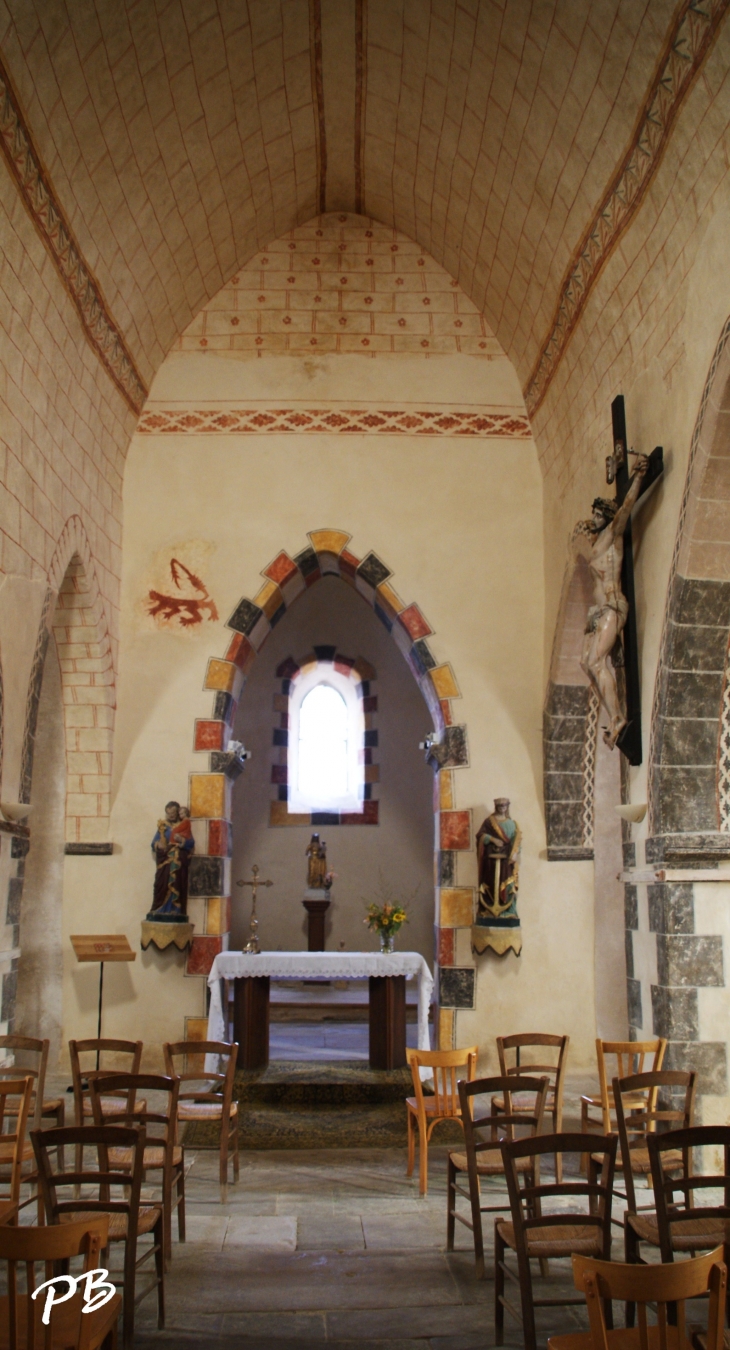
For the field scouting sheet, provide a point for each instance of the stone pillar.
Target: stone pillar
(676, 973)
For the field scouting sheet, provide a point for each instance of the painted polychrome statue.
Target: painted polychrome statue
(172, 847)
(497, 924)
(318, 878)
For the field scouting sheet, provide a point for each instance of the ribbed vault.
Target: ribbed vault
(179, 139)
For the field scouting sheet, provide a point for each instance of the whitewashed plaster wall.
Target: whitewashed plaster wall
(459, 523)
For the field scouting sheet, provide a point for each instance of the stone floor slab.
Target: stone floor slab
(275, 1233)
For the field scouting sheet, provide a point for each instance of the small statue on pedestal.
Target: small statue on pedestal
(172, 848)
(318, 878)
(497, 923)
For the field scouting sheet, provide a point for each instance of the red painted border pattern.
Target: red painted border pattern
(250, 421)
(687, 46)
(45, 211)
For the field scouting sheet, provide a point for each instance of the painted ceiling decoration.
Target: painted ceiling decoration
(158, 154)
(48, 217)
(692, 36)
(341, 283)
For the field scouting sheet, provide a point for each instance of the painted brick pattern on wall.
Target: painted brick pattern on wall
(87, 681)
(341, 283)
(66, 428)
(235, 84)
(641, 296)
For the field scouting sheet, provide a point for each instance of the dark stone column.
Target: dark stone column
(686, 962)
(565, 726)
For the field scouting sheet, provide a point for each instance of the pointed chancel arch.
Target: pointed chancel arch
(285, 579)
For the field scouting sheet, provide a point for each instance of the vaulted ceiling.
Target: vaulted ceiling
(181, 136)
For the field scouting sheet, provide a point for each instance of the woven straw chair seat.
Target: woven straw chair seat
(203, 1110)
(148, 1217)
(114, 1106)
(688, 1235)
(488, 1167)
(525, 1101)
(640, 1160)
(560, 1240)
(154, 1156)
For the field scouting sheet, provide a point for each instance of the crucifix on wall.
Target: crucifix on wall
(610, 639)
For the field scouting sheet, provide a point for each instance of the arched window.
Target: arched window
(325, 736)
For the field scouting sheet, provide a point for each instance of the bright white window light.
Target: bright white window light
(325, 734)
(323, 745)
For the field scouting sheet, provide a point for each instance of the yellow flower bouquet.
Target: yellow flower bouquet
(387, 920)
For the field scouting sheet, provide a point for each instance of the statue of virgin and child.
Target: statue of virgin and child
(172, 848)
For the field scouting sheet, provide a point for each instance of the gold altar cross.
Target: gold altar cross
(252, 946)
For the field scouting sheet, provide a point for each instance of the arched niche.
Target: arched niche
(65, 775)
(689, 759)
(388, 859)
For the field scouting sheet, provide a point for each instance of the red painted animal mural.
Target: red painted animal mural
(187, 610)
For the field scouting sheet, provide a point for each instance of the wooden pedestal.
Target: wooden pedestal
(387, 1021)
(251, 1021)
(316, 911)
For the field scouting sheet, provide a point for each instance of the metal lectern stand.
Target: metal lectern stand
(102, 947)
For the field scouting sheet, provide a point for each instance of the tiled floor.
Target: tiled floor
(332, 1247)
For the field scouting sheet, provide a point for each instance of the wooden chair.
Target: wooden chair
(531, 1234)
(512, 1051)
(656, 1284)
(21, 1316)
(686, 1226)
(31, 1057)
(162, 1153)
(81, 1076)
(31, 1060)
(630, 1059)
(425, 1112)
(482, 1157)
(211, 1104)
(635, 1121)
(114, 1191)
(16, 1149)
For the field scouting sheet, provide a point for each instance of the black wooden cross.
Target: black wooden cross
(629, 742)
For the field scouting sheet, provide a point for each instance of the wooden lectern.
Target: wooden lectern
(102, 947)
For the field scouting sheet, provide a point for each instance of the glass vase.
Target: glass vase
(386, 943)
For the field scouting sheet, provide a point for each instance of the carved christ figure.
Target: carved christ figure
(600, 541)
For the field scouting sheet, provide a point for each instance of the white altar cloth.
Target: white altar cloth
(316, 966)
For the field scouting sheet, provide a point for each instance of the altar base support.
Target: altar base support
(387, 1022)
(251, 1021)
